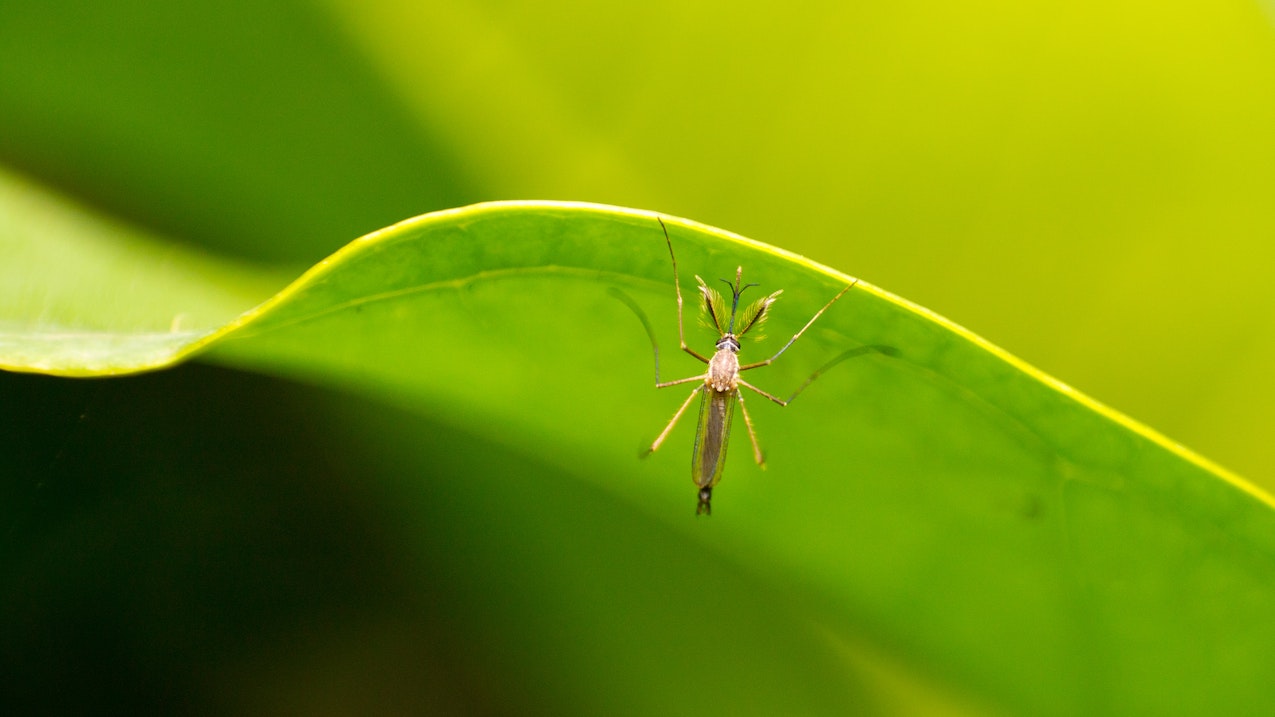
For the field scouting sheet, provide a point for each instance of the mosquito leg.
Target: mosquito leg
(752, 434)
(762, 393)
(677, 287)
(681, 381)
(667, 429)
(797, 335)
(646, 324)
(650, 334)
(857, 351)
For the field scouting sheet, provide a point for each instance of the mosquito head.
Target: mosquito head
(736, 289)
(728, 342)
(705, 506)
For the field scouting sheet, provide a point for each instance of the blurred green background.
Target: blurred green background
(1088, 185)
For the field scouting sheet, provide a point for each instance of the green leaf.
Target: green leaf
(952, 513)
(81, 295)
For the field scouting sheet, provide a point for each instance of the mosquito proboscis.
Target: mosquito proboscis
(719, 386)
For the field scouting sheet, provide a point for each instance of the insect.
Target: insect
(719, 386)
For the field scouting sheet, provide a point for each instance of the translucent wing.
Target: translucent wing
(712, 436)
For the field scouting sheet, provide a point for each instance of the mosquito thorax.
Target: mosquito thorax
(723, 368)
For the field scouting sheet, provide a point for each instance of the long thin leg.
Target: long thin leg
(667, 429)
(677, 286)
(752, 434)
(857, 351)
(797, 335)
(650, 334)
(762, 393)
(681, 381)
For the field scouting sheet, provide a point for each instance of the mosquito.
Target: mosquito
(719, 387)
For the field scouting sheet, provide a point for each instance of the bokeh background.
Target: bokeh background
(1090, 185)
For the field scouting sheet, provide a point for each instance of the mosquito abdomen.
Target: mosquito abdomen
(712, 436)
(705, 506)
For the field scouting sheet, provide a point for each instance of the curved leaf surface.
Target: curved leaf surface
(978, 521)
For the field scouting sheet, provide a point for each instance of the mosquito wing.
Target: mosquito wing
(711, 436)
